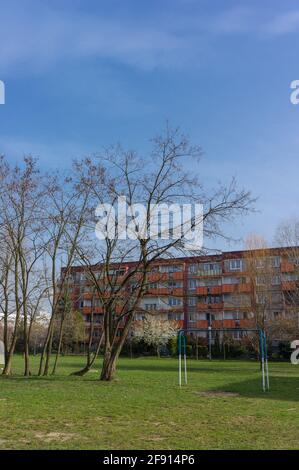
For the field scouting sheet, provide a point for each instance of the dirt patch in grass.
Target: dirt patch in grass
(219, 393)
(55, 436)
(154, 438)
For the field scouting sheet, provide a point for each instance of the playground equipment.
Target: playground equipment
(263, 352)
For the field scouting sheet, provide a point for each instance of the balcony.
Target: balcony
(244, 287)
(209, 272)
(213, 290)
(206, 307)
(175, 291)
(201, 290)
(229, 288)
(235, 288)
(288, 285)
(156, 277)
(158, 291)
(287, 267)
(177, 275)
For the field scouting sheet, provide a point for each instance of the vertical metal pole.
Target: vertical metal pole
(266, 361)
(185, 360)
(180, 358)
(262, 358)
(210, 336)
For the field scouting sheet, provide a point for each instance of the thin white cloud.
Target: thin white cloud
(238, 20)
(50, 37)
(44, 37)
(285, 23)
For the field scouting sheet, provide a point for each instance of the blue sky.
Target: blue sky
(83, 74)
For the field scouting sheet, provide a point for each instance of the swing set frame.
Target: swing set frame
(263, 350)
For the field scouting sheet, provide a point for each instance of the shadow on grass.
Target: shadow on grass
(281, 388)
(200, 367)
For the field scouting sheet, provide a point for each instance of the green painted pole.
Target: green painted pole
(266, 360)
(180, 357)
(185, 359)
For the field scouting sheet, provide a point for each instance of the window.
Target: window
(209, 282)
(77, 277)
(116, 272)
(86, 303)
(150, 307)
(140, 317)
(174, 301)
(275, 261)
(96, 333)
(212, 299)
(230, 280)
(154, 269)
(260, 263)
(192, 284)
(237, 300)
(237, 334)
(290, 277)
(86, 289)
(153, 285)
(193, 268)
(201, 316)
(232, 316)
(211, 266)
(192, 301)
(174, 284)
(193, 317)
(176, 316)
(228, 315)
(171, 269)
(119, 272)
(97, 318)
(276, 280)
(210, 269)
(260, 280)
(294, 260)
(209, 316)
(261, 298)
(235, 265)
(276, 297)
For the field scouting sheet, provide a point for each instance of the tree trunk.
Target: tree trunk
(48, 356)
(10, 352)
(8, 363)
(109, 366)
(44, 353)
(59, 346)
(27, 372)
(90, 359)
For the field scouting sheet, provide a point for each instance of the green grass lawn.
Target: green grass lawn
(145, 409)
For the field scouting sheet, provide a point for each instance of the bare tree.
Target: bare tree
(259, 272)
(167, 176)
(287, 236)
(20, 203)
(64, 217)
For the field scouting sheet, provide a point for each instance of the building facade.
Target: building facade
(236, 289)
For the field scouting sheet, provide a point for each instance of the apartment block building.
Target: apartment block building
(225, 290)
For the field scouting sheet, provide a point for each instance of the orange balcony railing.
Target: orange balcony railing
(287, 267)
